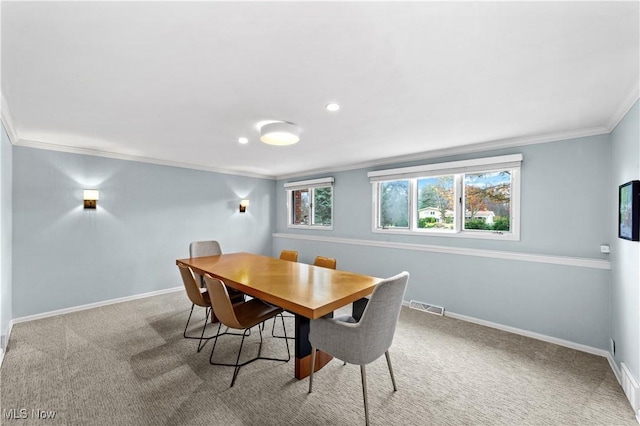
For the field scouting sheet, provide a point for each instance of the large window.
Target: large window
(472, 198)
(310, 203)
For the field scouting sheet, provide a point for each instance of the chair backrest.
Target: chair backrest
(289, 255)
(380, 317)
(193, 289)
(204, 248)
(221, 303)
(325, 262)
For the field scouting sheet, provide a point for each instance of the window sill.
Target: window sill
(319, 228)
(449, 234)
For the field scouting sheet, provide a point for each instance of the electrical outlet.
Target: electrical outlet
(604, 248)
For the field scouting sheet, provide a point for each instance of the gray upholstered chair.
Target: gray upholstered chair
(364, 341)
(204, 248)
(243, 316)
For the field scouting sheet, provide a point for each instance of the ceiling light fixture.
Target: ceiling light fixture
(280, 134)
(333, 107)
(243, 140)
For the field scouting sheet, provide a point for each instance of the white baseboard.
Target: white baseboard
(6, 341)
(630, 388)
(80, 308)
(93, 305)
(614, 368)
(623, 375)
(533, 335)
(537, 336)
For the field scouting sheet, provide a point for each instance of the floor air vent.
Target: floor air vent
(421, 306)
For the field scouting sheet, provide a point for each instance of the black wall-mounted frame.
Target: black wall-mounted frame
(629, 211)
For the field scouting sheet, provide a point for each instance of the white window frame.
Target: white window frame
(309, 185)
(457, 169)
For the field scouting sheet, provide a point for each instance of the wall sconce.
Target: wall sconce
(243, 205)
(91, 196)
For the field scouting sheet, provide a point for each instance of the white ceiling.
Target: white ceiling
(179, 82)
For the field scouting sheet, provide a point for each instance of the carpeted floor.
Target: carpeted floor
(127, 364)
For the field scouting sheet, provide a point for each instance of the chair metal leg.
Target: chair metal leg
(313, 365)
(184, 334)
(273, 327)
(202, 339)
(285, 335)
(236, 370)
(393, 380)
(206, 321)
(238, 365)
(363, 372)
(214, 345)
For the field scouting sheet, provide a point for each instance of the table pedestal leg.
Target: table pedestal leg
(303, 350)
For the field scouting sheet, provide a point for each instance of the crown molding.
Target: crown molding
(7, 120)
(127, 157)
(624, 107)
(464, 149)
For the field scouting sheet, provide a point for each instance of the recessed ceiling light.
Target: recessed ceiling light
(243, 140)
(333, 107)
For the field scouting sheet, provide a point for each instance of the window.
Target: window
(310, 203)
(473, 198)
(394, 204)
(435, 202)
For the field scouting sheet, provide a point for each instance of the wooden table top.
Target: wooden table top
(307, 290)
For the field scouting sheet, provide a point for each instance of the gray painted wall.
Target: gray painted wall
(625, 262)
(65, 256)
(565, 188)
(5, 233)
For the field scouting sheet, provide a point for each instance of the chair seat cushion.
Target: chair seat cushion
(345, 318)
(254, 312)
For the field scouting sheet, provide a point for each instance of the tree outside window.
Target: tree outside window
(394, 204)
(487, 201)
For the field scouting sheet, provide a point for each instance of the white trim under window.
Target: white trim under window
(451, 222)
(302, 199)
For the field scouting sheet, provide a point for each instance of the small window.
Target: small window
(310, 203)
(472, 198)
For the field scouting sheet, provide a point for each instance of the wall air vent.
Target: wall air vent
(426, 307)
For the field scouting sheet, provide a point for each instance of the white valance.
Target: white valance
(313, 183)
(504, 162)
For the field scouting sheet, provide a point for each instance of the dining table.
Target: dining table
(307, 291)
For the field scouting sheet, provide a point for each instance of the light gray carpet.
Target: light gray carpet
(127, 364)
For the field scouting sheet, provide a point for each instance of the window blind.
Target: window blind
(313, 183)
(503, 162)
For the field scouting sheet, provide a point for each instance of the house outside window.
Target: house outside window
(310, 204)
(472, 199)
